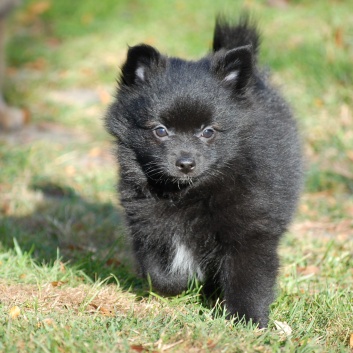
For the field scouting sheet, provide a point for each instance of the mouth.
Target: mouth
(185, 179)
(175, 182)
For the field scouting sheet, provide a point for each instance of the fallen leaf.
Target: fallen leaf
(308, 270)
(105, 311)
(73, 247)
(57, 283)
(70, 170)
(39, 7)
(6, 208)
(211, 343)
(95, 152)
(14, 312)
(102, 309)
(38, 64)
(346, 117)
(49, 322)
(62, 267)
(319, 102)
(339, 37)
(113, 262)
(45, 322)
(137, 347)
(104, 96)
(350, 155)
(283, 327)
(53, 42)
(150, 41)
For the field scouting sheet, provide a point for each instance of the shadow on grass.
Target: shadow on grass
(87, 235)
(90, 237)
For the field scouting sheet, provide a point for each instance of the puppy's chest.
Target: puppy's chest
(184, 261)
(192, 237)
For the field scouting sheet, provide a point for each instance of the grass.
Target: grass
(66, 279)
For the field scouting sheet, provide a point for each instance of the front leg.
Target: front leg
(155, 260)
(248, 279)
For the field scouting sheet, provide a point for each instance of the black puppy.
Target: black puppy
(210, 168)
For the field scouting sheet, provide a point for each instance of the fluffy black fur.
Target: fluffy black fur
(210, 168)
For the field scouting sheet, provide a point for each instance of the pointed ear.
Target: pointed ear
(140, 62)
(234, 67)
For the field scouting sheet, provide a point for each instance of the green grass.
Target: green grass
(63, 258)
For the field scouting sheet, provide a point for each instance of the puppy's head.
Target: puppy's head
(175, 114)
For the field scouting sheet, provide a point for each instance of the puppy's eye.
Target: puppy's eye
(207, 133)
(160, 131)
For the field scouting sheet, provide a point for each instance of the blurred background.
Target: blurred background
(57, 171)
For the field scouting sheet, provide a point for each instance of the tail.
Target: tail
(228, 35)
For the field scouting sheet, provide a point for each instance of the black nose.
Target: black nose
(185, 164)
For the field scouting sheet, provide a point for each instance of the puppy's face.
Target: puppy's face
(180, 142)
